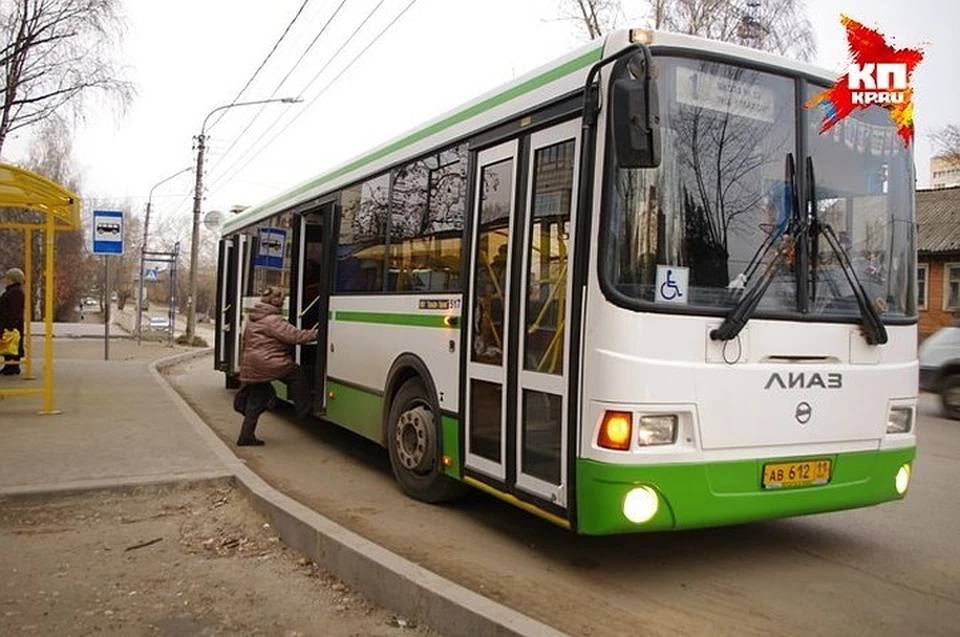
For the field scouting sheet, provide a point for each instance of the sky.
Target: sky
(410, 61)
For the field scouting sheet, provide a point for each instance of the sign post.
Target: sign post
(107, 240)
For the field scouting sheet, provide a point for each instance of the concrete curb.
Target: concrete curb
(123, 485)
(383, 577)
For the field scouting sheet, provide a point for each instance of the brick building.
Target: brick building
(938, 257)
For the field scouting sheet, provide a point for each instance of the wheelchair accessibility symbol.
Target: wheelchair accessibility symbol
(669, 290)
(672, 284)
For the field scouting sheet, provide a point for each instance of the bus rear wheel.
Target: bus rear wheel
(413, 442)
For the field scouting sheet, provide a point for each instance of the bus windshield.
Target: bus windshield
(721, 210)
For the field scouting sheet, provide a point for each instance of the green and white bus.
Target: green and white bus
(633, 290)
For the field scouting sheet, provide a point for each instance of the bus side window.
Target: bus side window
(426, 223)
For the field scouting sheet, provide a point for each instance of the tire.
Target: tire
(231, 381)
(413, 442)
(950, 396)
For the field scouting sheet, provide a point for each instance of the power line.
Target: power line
(325, 88)
(282, 81)
(265, 60)
(309, 84)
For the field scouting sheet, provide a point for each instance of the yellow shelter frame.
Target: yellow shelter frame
(59, 211)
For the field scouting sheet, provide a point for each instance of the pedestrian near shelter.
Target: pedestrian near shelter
(54, 209)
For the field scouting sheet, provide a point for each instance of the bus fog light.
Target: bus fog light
(903, 479)
(657, 430)
(899, 420)
(640, 504)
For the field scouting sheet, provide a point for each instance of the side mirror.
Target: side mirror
(635, 112)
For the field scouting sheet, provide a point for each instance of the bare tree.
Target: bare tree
(54, 54)
(50, 155)
(946, 142)
(597, 16)
(778, 26)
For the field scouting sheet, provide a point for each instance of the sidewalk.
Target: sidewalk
(103, 437)
(122, 325)
(123, 426)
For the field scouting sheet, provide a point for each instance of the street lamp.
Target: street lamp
(143, 247)
(197, 196)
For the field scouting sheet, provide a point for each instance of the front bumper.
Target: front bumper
(696, 495)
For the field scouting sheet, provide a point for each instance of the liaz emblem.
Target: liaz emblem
(804, 380)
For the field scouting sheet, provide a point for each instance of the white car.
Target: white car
(940, 368)
(160, 323)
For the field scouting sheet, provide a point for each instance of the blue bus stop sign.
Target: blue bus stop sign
(107, 232)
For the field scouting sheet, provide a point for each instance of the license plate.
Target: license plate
(782, 475)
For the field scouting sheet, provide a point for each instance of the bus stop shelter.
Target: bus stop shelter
(50, 209)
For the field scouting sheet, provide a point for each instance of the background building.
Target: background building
(938, 257)
(944, 172)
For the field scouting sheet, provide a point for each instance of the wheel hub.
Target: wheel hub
(951, 397)
(414, 439)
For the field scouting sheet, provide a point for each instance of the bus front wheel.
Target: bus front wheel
(413, 442)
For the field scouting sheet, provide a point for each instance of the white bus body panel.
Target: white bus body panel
(362, 352)
(668, 364)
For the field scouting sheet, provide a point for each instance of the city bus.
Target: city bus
(633, 290)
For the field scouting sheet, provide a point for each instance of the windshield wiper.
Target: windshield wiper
(813, 217)
(744, 309)
(873, 328)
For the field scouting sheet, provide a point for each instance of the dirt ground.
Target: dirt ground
(178, 561)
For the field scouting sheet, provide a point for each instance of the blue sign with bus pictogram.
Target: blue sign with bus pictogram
(108, 232)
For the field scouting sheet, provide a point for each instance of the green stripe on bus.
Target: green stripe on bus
(717, 493)
(356, 409)
(360, 411)
(450, 430)
(389, 318)
(513, 92)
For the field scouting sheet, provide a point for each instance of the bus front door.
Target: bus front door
(312, 300)
(517, 363)
(544, 312)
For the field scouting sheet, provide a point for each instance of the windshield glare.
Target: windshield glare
(864, 191)
(718, 212)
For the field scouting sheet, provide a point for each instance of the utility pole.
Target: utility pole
(195, 240)
(143, 251)
(197, 198)
(144, 246)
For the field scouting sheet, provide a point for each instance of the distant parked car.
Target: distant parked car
(940, 368)
(160, 323)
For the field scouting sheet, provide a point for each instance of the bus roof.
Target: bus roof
(663, 39)
(554, 79)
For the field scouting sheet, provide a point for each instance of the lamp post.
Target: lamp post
(197, 196)
(143, 248)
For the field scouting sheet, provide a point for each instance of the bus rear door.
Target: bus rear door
(234, 255)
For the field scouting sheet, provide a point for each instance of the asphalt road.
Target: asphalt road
(887, 570)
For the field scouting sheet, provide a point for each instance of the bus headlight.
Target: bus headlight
(899, 420)
(903, 479)
(640, 504)
(657, 430)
